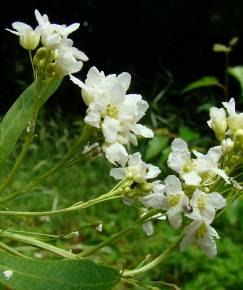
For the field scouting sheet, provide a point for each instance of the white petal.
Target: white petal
(192, 178)
(222, 174)
(21, 27)
(152, 171)
(77, 81)
(230, 106)
(148, 228)
(135, 159)
(179, 155)
(110, 129)
(174, 219)
(116, 154)
(217, 200)
(172, 185)
(154, 200)
(124, 79)
(117, 173)
(143, 131)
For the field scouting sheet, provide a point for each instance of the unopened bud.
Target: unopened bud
(145, 187)
(238, 136)
(29, 40)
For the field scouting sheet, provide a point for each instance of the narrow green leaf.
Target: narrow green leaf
(155, 146)
(237, 73)
(187, 134)
(203, 82)
(219, 47)
(30, 274)
(18, 116)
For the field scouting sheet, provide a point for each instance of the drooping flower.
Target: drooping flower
(204, 205)
(137, 170)
(28, 38)
(203, 234)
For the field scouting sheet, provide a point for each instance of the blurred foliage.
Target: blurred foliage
(189, 270)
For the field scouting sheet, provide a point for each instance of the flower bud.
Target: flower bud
(29, 40)
(145, 187)
(238, 136)
(218, 122)
(235, 121)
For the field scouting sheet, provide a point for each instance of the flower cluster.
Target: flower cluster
(57, 53)
(190, 198)
(113, 111)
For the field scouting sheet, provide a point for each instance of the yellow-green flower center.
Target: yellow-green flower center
(112, 111)
(188, 167)
(173, 200)
(200, 232)
(201, 203)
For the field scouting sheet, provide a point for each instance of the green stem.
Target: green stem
(38, 244)
(11, 251)
(84, 138)
(115, 236)
(156, 261)
(81, 205)
(32, 64)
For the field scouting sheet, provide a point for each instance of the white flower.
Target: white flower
(234, 120)
(137, 170)
(169, 197)
(68, 59)
(204, 205)
(180, 161)
(116, 154)
(176, 200)
(207, 165)
(28, 38)
(52, 35)
(194, 170)
(111, 110)
(218, 122)
(156, 197)
(203, 234)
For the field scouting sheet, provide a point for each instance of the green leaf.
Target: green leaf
(203, 82)
(155, 146)
(237, 73)
(233, 41)
(187, 134)
(16, 119)
(219, 47)
(56, 275)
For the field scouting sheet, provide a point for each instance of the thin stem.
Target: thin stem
(81, 205)
(115, 236)
(38, 244)
(156, 261)
(32, 64)
(79, 144)
(11, 251)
